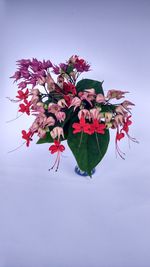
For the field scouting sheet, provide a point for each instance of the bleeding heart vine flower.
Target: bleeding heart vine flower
(65, 109)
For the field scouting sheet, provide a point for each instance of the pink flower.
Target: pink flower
(100, 98)
(95, 113)
(38, 107)
(53, 108)
(62, 103)
(50, 121)
(50, 83)
(86, 96)
(35, 91)
(41, 119)
(60, 115)
(41, 132)
(116, 94)
(76, 102)
(84, 113)
(34, 99)
(108, 116)
(119, 119)
(34, 127)
(57, 132)
(120, 110)
(127, 103)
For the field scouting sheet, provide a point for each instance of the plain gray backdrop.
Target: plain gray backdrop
(64, 220)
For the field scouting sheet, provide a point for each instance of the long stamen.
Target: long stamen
(55, 162)
(15, 118)
(17, 148)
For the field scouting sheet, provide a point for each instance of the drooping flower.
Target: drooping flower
(76, 102)
(50, 121)
(89, 97)
(60, 115)
(41, 132)
(127, 103)
(100, 98)
(56, 147)
(108, 116)
(57, 132)
(27, 136)
(95, 113)
(84, 113)
(116, 94)
(53, 108)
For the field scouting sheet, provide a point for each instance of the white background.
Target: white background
(64, 220)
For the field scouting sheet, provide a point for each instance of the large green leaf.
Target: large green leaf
(88, 149)
(88, 84)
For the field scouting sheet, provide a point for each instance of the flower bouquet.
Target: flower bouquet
(65, 109)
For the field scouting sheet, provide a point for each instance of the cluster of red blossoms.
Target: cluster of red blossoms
(51, 101)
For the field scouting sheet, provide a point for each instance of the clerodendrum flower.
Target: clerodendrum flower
(27, 136)
(57, 147)
(57, 103)
(81, 126)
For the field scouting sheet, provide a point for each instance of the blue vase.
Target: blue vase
(83, 173)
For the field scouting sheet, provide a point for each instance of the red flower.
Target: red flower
(56, 147)
(82, 126)
(25, 108)
(97, 127)
(27, 137)
(119, 136)
(69, 88)
(127, 123)
(21, 95)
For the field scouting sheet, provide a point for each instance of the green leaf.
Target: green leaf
(88, 149)
(47, 139)
(88, 84)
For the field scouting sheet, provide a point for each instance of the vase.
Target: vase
(83, 173)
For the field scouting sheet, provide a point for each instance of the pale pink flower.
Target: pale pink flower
(84, 113)
(34, 127)
(120, 110)
(41, 119)
(75, 102)
(100, 98)
(86, 96)
(50, 83)
(119, 119)
(39, 107)
(35, 91)
(60, 81)
(53, 108)
(95, 113)
(108, 116)
(62, 103)
(41, 80)
(127, 103)
(41, 132)
(50, 121)
(116, 94)
(34, 99)
(60, 115)
(57, 132)
(73, 59)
